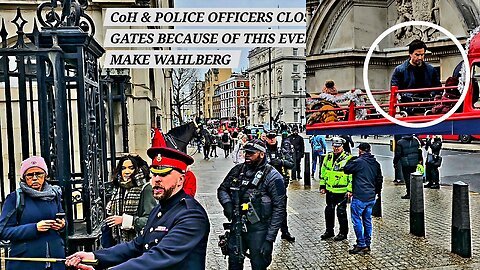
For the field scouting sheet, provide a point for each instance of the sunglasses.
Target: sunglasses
(39, 175)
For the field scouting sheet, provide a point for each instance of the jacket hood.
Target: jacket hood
(407, 137)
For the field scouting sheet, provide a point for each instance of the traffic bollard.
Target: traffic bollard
(306, 171)
(461, 233)
(417, 208)
(377, 207)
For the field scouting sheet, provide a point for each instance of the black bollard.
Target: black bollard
(306, 171)
(377, 207)
(417, 208)
(461, 233)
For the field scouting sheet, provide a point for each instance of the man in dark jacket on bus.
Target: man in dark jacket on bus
(415, 73)
(367, 182)
(408, 151)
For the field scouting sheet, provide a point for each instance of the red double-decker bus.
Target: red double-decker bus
(324, 117)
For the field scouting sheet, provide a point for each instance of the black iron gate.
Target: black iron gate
(53, 103)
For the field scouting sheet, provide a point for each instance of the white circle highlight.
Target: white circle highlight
(372, 98)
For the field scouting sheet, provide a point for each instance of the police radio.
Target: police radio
(258, 177)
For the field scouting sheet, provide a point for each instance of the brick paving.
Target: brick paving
(392, 245)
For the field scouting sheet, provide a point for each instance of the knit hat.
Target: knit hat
(31, 162)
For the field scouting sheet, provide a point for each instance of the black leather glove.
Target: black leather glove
(266, 249)
(276, 162)
(228, 210)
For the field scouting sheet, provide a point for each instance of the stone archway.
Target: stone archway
(341, 32)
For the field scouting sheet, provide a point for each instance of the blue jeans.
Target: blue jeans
(362, 221)
(316, 157)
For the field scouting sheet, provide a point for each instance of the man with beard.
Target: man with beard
(281, 158)
(176, 233)
(415, 73)
(257, 186)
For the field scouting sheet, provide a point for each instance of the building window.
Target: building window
(279, 104)
(295, 85)
(242, 84)
(295, 117)
(295, 68)
(295, 103)
(295, 51)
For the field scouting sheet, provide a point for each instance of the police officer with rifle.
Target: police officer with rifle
(253, 198)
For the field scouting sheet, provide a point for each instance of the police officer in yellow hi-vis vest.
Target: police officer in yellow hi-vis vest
(338, 187)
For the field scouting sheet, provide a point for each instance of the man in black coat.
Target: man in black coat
(281, 158)
(367, 182)
(409, 153)
(258, 183)
(299, 145)
(176, 233)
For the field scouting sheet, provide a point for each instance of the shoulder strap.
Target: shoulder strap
(20, 203)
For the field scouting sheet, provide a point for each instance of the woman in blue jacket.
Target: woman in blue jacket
(32, 229)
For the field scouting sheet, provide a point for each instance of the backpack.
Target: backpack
(317, 145)
(20, 203)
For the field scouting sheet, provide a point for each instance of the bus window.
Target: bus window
(475, 85)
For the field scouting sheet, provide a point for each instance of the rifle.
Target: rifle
(238, 225)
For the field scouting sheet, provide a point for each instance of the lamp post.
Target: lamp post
(270, 84)
(171, 108)
(301, 106)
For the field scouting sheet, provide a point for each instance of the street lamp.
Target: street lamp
(270, 84)
(301, 106)
(171, 108)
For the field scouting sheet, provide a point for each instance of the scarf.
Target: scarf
(47, 194)
(127, 200)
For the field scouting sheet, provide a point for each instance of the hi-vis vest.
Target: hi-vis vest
(333, 177)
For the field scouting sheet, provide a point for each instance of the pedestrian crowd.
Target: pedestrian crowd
(154, 220)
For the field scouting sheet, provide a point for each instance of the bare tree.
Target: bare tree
(185, 90)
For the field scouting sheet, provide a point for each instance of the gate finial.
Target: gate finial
(19, 21)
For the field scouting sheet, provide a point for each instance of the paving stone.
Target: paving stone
(392, 245)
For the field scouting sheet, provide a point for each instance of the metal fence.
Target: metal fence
(54, 103)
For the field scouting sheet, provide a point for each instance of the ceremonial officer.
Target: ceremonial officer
(176, 233)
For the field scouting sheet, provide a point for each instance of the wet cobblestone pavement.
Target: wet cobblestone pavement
(392, 245)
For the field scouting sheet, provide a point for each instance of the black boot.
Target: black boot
(327, 235)
(287, 236)
(429, 185)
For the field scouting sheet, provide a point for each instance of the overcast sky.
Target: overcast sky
(239, 4)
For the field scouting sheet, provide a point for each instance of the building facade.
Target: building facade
(146, 91)
(213, 77)
(234, 97)
(277, 85)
